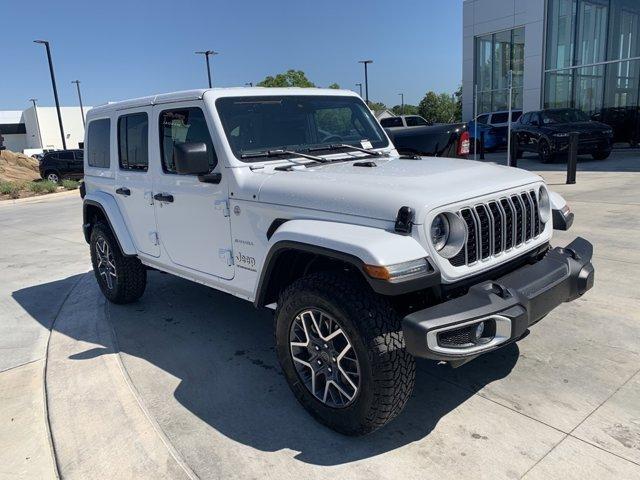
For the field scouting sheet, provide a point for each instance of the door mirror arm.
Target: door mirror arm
(210, 177)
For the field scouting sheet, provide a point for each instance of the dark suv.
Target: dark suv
(61, 164)
(547, 132)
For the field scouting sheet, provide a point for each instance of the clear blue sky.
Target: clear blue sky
(123, 49)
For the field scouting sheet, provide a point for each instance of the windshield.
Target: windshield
(258, 124)
(564, 116)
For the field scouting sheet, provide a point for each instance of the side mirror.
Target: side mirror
(191, 158)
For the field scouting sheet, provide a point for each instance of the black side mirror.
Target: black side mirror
(191, 158)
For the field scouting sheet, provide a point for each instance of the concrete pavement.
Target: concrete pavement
(185, 382)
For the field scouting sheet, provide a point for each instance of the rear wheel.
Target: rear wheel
(601, 155)
(52, 176)
(121, 279)
(342, 352)
(544, 152)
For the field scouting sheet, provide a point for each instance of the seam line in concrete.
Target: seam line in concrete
(47, 422)
(21, 365)
(544, 456)
(134, 391)
(39, 233)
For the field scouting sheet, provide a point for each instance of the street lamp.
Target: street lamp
(77, 82)
(35, 112)
(55, 90)
(206, 54)
(366, 78)
(359, 85)
(402, 108)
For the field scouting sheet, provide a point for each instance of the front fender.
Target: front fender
(562, 215)
(109, 207)
(353, 244)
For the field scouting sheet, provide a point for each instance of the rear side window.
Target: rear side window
(415, 121)
(483, 118)
(133, 143)
(98, 143)
(500, 117)
(515, 116)
(65, 155)
(183, 125)
(391, 122)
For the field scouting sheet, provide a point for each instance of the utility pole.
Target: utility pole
(77, 82)
(55, 90)
(206, 54)
(359, 85)
(402, 107)
(35, 112)
(366, 79)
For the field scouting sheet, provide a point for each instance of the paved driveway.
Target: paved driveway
(185, 382)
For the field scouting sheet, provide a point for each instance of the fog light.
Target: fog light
(479, 331)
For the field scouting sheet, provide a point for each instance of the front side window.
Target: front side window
(133, 134)
(183, 125)
(391, 122)
(259, 124)
(500, 117)
(98, 143)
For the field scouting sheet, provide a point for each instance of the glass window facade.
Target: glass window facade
(592, 61)
(496, 55)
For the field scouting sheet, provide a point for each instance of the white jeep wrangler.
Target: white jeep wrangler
(296, 200)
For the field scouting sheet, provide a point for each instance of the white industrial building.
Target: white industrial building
(37, 128)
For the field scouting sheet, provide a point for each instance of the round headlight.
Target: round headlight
(544, 205)
(448, 234)
(440, 231)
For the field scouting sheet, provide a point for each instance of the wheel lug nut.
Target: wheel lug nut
(326, 346)
(329, 369)
(319, 362)
(317, 347)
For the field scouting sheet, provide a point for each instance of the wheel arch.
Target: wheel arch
(101, 206)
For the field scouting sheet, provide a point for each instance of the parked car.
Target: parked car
(625, 122)
(547, 132)
(61, 164)
(445, 140)
(296, 200)
(404, 121)
(495, 127)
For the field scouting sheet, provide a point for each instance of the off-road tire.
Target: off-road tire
(131, 276)
(374, 329)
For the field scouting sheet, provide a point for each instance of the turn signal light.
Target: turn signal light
(398, 271)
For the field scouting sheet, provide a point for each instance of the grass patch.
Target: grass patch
(44, 186)
(70, 184)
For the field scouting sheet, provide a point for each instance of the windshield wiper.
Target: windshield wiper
(280, 152)
(340, 146)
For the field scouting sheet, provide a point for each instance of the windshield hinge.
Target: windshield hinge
(222, 205)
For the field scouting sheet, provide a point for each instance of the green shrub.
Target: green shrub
(11, 188)
(35, 187)
(49, 186)
(70, 184)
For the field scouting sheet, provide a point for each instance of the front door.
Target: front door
(193, 221)
(134, 179)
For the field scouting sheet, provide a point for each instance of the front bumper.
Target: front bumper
(508, 306)
(587, 146)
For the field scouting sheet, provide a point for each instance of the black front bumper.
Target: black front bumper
(508, 306)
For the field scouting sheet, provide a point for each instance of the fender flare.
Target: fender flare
(561, 216)
(109, 207)
(355, 245)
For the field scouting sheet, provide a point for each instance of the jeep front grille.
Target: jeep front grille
(498, 226)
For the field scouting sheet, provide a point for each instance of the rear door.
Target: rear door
(134, 180)
(193, 217)
(77, 169)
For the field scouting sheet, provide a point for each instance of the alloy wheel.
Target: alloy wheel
(53, 177)
(106, 263)
(324, 358)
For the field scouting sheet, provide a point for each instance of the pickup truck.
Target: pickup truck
(296, 200)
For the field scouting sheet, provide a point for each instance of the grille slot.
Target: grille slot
(498, 226)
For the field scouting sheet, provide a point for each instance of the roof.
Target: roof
(10, 116)
(215, 93)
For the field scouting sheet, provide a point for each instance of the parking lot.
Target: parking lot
(185, 383)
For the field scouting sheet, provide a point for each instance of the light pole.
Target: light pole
(402, 107)
(206, 54)
(366, 79)
(359, 85)
(35, 112)
(55, 90)
(248, 84)
(77, 82)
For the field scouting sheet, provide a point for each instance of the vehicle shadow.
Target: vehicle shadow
(221, 351)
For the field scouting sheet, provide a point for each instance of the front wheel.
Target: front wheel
(544, 152)
(601, 155)
(342, 352)
(121, 279)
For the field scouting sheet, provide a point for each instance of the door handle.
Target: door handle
(163, 197)
(123, 191)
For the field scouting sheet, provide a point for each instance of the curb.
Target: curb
(39, 198)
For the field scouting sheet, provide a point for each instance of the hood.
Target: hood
(378, 192)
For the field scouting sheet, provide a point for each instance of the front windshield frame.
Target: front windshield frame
(562, 116)
(362, 113)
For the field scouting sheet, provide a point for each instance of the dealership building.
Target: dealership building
(581, 54)
(38, 128)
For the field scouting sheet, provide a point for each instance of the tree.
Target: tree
(408, 109)
(437, 108)
(377, 106)
(458, 109)
(291, 78)
(335, 86)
